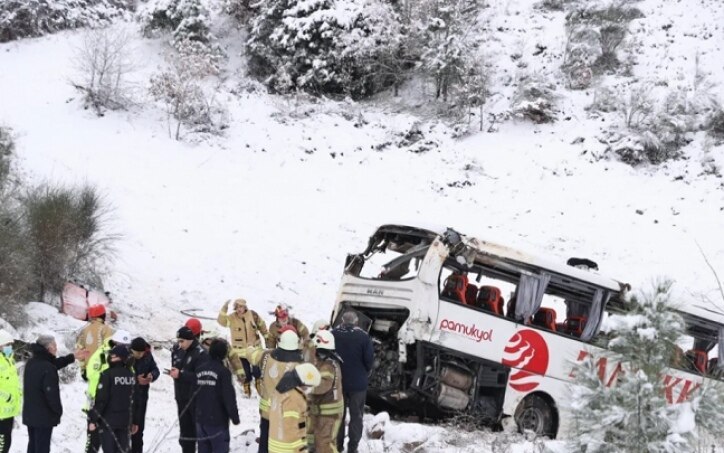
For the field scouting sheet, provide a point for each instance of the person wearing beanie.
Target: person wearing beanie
(246, 329)
(186, 356)
(146, 372)
(11, 396)
(273, 363)
(216, 400)
(95, 366)
(282, 318)
(94, 334)
(114, 412)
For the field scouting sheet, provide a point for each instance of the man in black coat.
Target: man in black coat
(113, 411)
(355, 348)
(42, 407)
(146, 372)
(215, 401)
(186, 357)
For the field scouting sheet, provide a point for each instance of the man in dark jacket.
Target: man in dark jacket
(186, 356)
(42, 408)
(354, 346)
(113, 411)
(215, 401)
(146, 372)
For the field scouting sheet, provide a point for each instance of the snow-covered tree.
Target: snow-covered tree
(188, 20)
(627, 410)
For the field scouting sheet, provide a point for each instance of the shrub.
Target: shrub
(188, 20)
(716, 125)
(65, 236)
(7, 148)
(535, 100)
(103, 62)
(29, 18)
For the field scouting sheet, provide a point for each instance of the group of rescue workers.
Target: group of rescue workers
(306, 382)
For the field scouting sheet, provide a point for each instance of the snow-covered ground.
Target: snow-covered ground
(269, 210)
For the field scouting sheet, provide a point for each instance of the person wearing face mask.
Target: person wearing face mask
(10, 393)
(246, 329)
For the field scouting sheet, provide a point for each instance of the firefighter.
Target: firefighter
(326, 405)
(96, 364)
(216, 400)
(113, 412)
(281, 313)
(309, 347)
(246, 329)
(273, 364)
(146, 371)
(94, 334)
(232, 360)
(288, 412)
(186, 356)
(11, 396)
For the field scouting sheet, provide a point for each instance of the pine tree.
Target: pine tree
(632, 414)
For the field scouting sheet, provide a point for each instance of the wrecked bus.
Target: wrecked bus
(445, 312)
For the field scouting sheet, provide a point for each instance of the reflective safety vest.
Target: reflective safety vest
(11, 396)
(97, 363)
(288, 422)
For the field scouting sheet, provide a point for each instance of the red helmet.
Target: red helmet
(195, 326)
(281, 312)
(96, 311)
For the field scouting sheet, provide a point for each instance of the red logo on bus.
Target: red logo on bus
(527, 353)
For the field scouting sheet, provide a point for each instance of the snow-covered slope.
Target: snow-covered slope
(269, 210)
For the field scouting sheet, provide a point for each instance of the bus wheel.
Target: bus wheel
(536, 415)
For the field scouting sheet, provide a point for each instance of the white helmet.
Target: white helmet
(324, 340)
(308, 374)
(5, 337)
(289, 341)
(320, 324)
(121, 337)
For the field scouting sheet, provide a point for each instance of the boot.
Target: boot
(247, 389)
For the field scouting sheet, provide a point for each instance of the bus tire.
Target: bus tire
(535, 414)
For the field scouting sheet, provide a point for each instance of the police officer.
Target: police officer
(281, 322)
(186, 356)
(97, 364)
(216, 400)
(288, 413)
(273, 364)
(326, 402)
(10, 393)
(246, 329)
(146, 371)
(113, 412)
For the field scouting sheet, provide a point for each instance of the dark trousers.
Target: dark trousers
(250, 371)
(39, 439)
(115, 440)
(137, 439)
(187, 426)
(213, 439)
(93, 440)
(355, 403)
(6, 433)
(264, 435)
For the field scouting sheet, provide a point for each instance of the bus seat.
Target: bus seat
(455, 287)
(471, 291)
(545, 317)
(698, 360)
(575, 325)
(489, 298)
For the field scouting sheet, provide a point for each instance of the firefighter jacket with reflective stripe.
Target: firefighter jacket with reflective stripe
(244, 329)
(288, 422)
(327, 398)
(273, 365)
(233, 363)
(114, 405)
(93, 335)
(275, 327)
(11, 397)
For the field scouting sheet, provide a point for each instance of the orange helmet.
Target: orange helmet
(96, 311)
(195, 325)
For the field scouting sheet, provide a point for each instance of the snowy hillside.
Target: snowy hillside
(268, 210)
